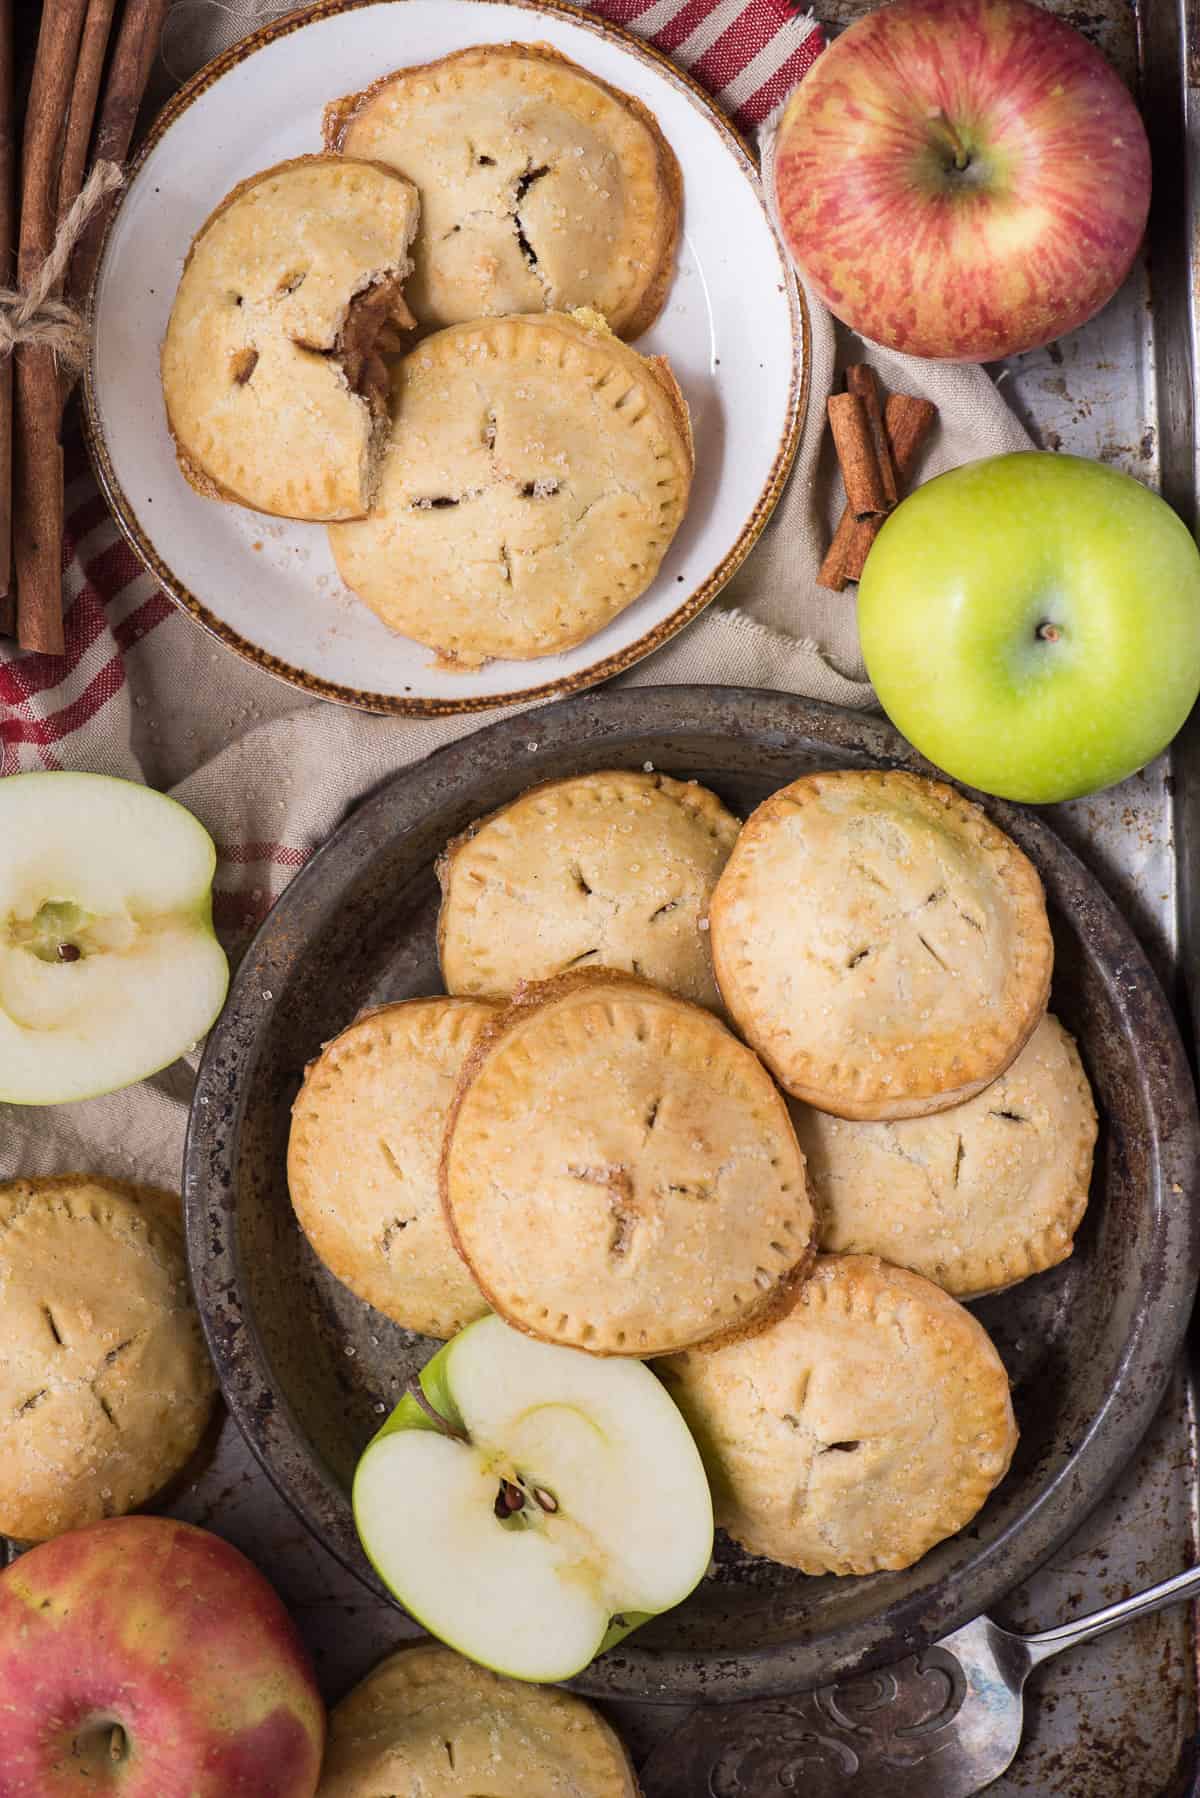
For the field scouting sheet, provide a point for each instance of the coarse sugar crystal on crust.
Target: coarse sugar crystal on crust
(620, 1173)
(613, 869)
(865, 1425)
(881, 943)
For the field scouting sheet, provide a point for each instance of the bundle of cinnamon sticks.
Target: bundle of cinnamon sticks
(91, 65)
(877, 445)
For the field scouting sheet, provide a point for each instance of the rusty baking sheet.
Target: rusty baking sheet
(1118, 1718)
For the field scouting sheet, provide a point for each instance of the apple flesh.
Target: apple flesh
(148, 1659)
(109, 969)
(962, 178)
(531, 1504)
(1031, 623)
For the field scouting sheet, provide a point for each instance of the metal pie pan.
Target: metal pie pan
(307, 1369)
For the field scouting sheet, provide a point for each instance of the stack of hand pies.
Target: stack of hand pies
(783, 1214)
(415, 338)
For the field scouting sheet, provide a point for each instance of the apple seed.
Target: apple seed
(69, 952)
(509, 1500)
(546, 1499)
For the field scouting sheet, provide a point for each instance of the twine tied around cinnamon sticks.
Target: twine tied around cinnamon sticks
(33, 315)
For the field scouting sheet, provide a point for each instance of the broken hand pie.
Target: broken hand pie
(537, 472)
(611, 870)
(881, 943)
(865, 1425)
(541, 187)
(620, 1173)
(271, 372)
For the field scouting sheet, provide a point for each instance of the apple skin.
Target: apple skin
(952, 596)
(167, 1631)
(408, 1415)
(969, 264)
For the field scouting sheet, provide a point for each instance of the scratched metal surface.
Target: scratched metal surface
(1116, 1719)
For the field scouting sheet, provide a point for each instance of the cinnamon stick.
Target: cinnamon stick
(86, 91)
(132, 60)
(8, 246)
(862, 380)
(38, 482)
(857, 455)
(907, 422)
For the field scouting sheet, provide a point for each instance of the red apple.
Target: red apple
(962, 178)
(148, 1659)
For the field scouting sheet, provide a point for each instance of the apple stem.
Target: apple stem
(416, 1391)
(1048, 633)
(116, 1743)
(950, 139)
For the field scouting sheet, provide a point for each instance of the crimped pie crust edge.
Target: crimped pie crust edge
(903, 1087)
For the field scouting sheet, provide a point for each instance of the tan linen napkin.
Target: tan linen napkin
(271, 775)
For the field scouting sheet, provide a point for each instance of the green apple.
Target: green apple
(1031, 623)
(531, 1504)
(109, 968)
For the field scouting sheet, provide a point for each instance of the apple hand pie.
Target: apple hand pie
(542, 188)
(272, 372)
(105, 1383)
(537, 472)
(611, 870)
(620, 1173)
(425, 1721)
(975, 1198)
(864, 1426)
(362, 1161)
(881, 943)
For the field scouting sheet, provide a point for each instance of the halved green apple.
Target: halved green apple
(109, 968)
(532, 1504)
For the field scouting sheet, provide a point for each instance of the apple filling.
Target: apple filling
(371, 328)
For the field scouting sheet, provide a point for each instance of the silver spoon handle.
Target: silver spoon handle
(1142, 1604)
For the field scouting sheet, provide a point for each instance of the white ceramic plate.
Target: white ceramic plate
(732, 327)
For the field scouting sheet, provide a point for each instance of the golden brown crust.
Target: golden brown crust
(536, 476)
(870, 1423)
(974, 1198)
(518, 905)
(427, 1720)
(881, 943)
(638, 305)
(663, 1202)
(318, 460)
(362, 1161)
(105, 1385)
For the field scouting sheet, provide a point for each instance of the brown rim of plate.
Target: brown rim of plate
(399, 704)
